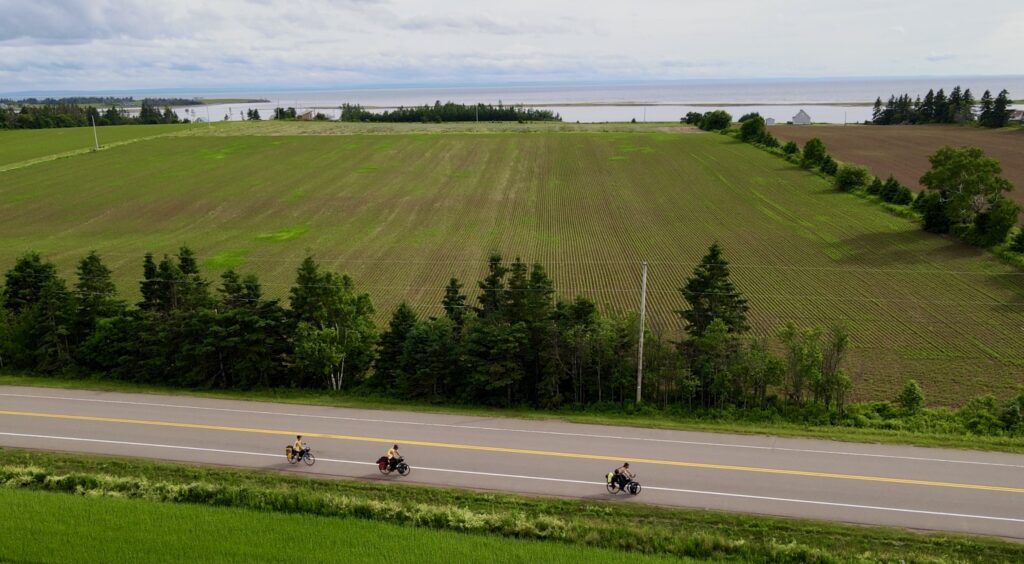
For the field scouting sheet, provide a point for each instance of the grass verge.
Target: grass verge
(47, 527)
(632, 528)
(644, 419)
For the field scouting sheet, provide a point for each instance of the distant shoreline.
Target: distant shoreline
(629, 104)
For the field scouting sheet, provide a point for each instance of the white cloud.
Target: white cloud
(132, 44)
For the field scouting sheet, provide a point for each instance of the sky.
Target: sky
(111, 45)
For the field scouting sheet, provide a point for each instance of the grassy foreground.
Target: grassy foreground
(642, 419)
(568, 524)
(47, 527)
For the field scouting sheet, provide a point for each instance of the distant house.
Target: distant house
(769, 121)
(305, 115)
(1017, 116)
(801, 118)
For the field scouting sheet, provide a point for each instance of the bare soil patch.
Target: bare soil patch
(903, 150)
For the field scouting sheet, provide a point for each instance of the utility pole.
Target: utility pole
(95, 137)
(640, 347)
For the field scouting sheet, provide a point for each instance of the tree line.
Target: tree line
(448, 112)
(73, 115)
(937, 107)
(516, 345)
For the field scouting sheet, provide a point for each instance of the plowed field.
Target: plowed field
(903, 150)
(403, 212)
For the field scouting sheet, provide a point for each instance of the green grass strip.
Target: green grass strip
(45, 527)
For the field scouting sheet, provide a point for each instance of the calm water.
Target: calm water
(779, 99)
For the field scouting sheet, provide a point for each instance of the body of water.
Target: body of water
(827, 101)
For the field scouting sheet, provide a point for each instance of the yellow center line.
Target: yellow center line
(678, 463)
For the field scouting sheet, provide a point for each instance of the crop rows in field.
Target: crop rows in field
(403, 213)
(18, 146)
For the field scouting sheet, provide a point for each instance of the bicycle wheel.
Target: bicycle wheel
(613, 488)
(403, 469)
(294, 459)
(310, 459)
(634, 488)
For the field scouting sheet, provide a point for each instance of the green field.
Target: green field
(402, 212)
(50, 527)
(26, 145)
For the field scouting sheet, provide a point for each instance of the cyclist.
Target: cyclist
(393, 457)
(623, 475)
(298, 447)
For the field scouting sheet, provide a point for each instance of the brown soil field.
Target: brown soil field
(903, 150)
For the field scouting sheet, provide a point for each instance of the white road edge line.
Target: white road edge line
(528, 431)
(537, 478)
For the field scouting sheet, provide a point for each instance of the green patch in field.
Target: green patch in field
(617, 158)
(367, 169)
(286, 234)
(296, 195)
(226, 259)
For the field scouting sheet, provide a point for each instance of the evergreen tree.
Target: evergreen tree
(1000, 110)
(95, 296)
(711, 295)
(390, 372)
(927, 109)
(25, 283)
(966, 112)
(454, 302)
(492, 289)
(150, 287)
(985, 117)
(876, 111)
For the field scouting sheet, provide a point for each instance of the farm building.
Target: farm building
(1017, 116)
(769, 121)
(306, 115)
(801, 118)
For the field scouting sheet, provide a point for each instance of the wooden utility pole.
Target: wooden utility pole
(640, 347)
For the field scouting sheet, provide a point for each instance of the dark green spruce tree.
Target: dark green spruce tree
(711, 295)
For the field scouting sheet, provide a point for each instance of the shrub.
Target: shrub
(980, 416)
(769, 141)
(814, 153)
(1017, 244)
(851, 178)
(889, 189)
(714, 120)
(693, 118)
(991, 226)
(752, 129)
(933, 210)
(790, 148)
(903, 196)
(875, 187)
(829, 165)
(911, 398)
(749, 115)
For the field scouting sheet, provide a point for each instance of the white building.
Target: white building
(769, 121)
(801, 118)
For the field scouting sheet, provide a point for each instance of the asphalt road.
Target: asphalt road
(922, 488)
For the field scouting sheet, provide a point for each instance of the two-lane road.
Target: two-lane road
(964, 491)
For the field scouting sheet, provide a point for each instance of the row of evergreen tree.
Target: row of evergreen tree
(937, 107)
(448, 112)
(516, 345)
(73, 115)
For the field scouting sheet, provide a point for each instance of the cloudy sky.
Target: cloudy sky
(88, 45)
